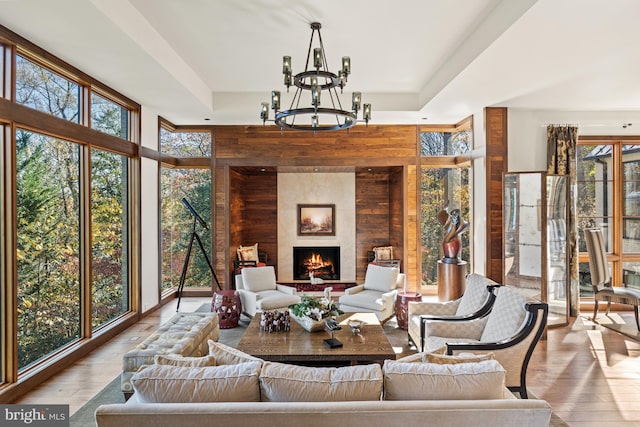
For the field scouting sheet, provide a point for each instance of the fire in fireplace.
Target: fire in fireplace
(323, 261)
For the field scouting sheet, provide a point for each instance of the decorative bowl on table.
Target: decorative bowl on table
(311, 312)
(355, 325)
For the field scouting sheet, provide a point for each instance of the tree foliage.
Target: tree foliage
(49, 206)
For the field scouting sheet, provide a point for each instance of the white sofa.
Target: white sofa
(241, 390)
(433, 413)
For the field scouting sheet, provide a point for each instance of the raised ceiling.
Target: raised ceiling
(416, 61)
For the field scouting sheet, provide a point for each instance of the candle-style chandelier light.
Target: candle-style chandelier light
(315, 80)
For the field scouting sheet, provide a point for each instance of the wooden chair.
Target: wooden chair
(603, 290)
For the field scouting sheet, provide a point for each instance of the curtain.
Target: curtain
(561, 160)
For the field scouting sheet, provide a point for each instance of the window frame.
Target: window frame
(615, 255)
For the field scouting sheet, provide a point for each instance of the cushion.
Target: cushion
(443, 359)
(430, 381)
(178, 360)
(226, 355)
(248, 253)
(290, 383)
(383, 253)
(259, 279)
(178, 384)
(382, 279)
(506, 317)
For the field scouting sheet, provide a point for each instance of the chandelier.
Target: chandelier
(315, 81)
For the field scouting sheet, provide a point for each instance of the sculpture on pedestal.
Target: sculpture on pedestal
(453, 225)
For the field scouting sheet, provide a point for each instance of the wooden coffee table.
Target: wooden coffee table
(306, 348)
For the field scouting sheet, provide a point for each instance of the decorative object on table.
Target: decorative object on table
(228, 306)
(454, 226)
(356, 325)
(275, 321)
(315, 280)
(311, 312)
(331, 325)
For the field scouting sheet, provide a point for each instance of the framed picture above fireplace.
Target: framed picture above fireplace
(316, 220)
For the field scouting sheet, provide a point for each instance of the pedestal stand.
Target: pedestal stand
(228, 306)
(451, 280)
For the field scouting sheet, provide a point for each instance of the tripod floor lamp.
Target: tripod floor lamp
(194, 236)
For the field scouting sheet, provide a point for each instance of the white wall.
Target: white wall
(149, 170)
(527, 132)
(317, 188)
(479, 199)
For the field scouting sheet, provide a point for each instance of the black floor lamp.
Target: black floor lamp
(194, 236)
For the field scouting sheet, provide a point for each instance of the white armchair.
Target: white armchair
(511, 332)
(377, 294)
(259, 291)
(476, 301)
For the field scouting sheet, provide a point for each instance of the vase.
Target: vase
(309, 324)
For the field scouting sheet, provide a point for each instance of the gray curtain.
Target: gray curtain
(561, 160)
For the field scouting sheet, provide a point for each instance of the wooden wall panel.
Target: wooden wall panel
(260, 214)
(383, 149)
(372, 215)
(267, 146)
(496, 165)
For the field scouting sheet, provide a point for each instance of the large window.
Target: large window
(444, 182)
(110, 236)
(66, 192)
(193, 184)
(48, 256)
(608, 178)
(46, 91)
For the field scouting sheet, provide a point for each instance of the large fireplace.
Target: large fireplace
(323, 261)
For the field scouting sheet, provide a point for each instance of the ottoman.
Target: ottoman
(185, 334)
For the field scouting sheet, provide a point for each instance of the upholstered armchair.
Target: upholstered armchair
(510, 331)
(476, 301)
(259, 291)
(601, 277)
(377, 294)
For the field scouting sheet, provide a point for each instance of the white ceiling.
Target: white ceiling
(415, 61)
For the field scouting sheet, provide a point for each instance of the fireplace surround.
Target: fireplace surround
(323, 261)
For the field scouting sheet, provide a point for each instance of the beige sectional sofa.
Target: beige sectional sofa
(229, 388)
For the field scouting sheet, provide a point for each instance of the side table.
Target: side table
(402, 307)
(228, 306)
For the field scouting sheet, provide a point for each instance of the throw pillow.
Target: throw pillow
(248, 253)
(443, 359)
(225, 355)
(259, 279)
(430, 381)
(281, 382)
(178, 360)
(381, 279)
(383, 253)
(177, 384)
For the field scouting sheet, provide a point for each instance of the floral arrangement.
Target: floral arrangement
(315, 308)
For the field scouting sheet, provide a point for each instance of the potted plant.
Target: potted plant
(311, 312)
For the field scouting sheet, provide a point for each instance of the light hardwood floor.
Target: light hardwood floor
(589, 374)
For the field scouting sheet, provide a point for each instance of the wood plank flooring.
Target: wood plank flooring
(590, 375)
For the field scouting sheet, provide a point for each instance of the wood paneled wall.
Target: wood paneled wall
(246, 202)
(496, 165)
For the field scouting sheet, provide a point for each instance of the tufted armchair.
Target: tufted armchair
(476, 301)
(259, 291)
(511, 332)
(377, 294)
